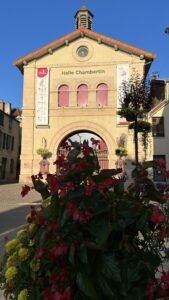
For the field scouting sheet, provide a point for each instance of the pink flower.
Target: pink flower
(25, 190)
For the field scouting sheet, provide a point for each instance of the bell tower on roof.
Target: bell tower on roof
(84, 17)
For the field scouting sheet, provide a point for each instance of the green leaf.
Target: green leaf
(143, 219)
(85, 284)
(150, 164)
(100, 228)
(109, 172)
(72, 254)
(65, 216)
(107, 265)
(82, 254)
(105, 288)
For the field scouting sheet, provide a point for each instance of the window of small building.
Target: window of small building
(82, 95)
(63, 96)
(4, 140)
(159, 171)
(11, 166)
(158, 126)
(8, 142)
(102, 94)
(12, 143)
(10, 123)
(1, 118)
(1, 139)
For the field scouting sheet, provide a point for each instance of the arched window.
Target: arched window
(82, 95)
(102, 94)
(63, 95)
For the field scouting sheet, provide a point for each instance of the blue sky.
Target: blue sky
(28, 25)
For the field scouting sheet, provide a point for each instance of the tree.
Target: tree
(136, 102)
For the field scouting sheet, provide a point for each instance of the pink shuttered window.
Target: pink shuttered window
(102, 94)
(63, 94)
(82, 95)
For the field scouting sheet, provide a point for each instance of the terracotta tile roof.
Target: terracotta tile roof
(77, 34)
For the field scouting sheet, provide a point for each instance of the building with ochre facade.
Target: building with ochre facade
(71, 86)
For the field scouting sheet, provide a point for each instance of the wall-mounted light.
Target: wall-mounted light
(44, 142)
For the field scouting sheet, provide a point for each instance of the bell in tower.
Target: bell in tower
(84, 18)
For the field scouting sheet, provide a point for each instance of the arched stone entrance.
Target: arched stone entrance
(97, 129)
(100, 149)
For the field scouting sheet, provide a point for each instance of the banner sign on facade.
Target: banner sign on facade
(123, 74)
(42, 97)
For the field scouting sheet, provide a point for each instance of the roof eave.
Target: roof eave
(81, 32)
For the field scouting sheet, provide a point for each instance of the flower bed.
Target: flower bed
(87, 241)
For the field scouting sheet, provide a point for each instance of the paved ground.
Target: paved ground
(13, 209)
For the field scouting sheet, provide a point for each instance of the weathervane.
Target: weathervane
(84, 2)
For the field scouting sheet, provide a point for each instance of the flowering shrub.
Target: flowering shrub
(42, 151)
(121, 151)
(88, 240)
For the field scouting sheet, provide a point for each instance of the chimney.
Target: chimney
(7, 108)
(1, 105)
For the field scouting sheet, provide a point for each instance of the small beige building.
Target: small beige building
(158, 116)
(10, 142)
(71, 86)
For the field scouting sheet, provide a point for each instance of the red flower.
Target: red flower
(167, 174)
(150, 290)
(165, 277)
(58, 249)
(161, 234)
(53, 183)
(25, 190)
(163, 287)
(82, 216)
(67, 294)
(95, 142)
(29, 220)
(79, 215)
(47, 294)
(53, 225)
(90, 186)
(41, 220)
(86, 150)
(108, 182)
(166, 196)
(71, 207)
(66, 145)
(39, 252)
(157, 216)
(53, 279)
(33, 211)
(60, 161)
